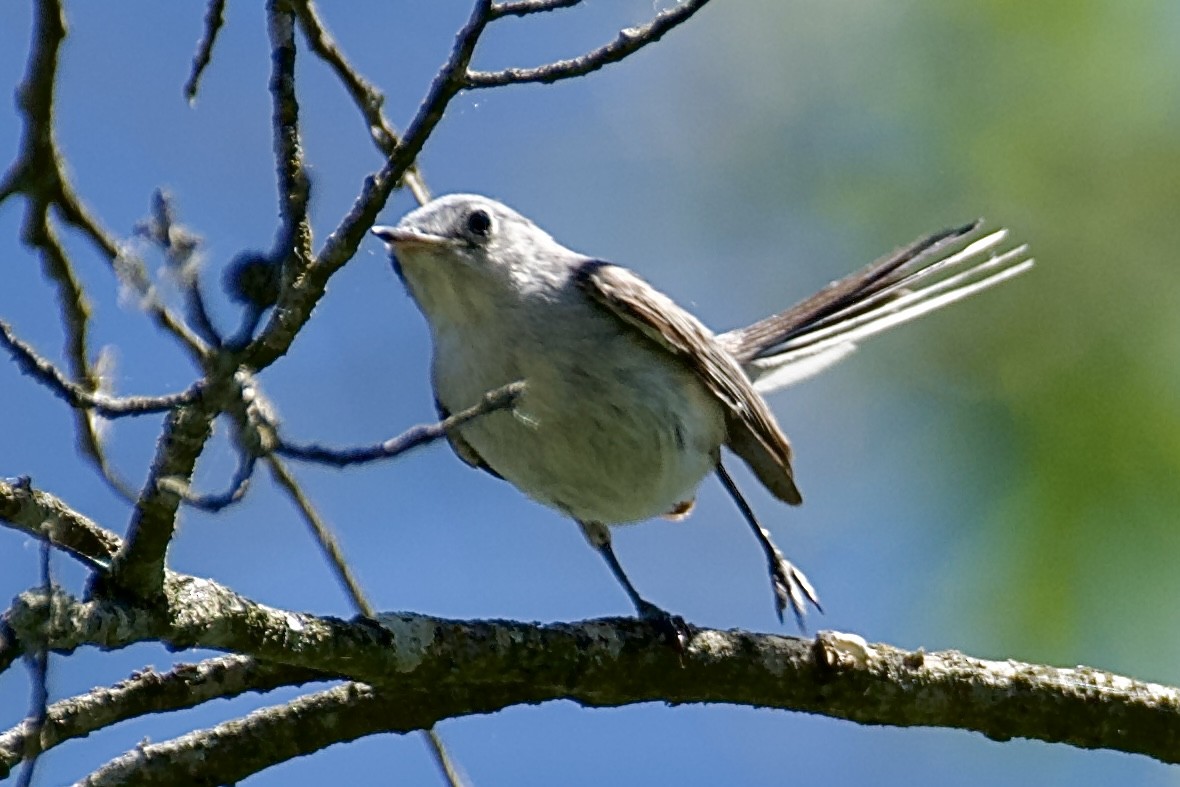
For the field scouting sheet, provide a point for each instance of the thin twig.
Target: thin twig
(213, 502)
(527, 7)
(627, 43)
(39, 169)
(214, 19)
(442, 758)
(498, 399)
(38, 172)
(323, 535)
(34, 742)
(181, 249)
(75, 317)
(44, 372)
(38, 162)
(368, 99)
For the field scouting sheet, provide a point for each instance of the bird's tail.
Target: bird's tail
(926, 275)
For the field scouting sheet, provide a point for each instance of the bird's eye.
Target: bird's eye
(479, 223)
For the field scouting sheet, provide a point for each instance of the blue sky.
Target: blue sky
(753, 155)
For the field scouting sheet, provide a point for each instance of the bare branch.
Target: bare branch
(38, 161)
(322, 534)
(39, 233)
(367, 98)
(293, 243)
(233, 750)
(527, 7)
(296, 303)
(239, 484)
(627, 43)
(138, 568)
(130, 271)
(617, 662)
(442, 758)
(44, 372)
(43, 516)
(214, 19)
(145, 692)
(608, 662)
(34, 743)
(414, 437)
(181, 248)
(39, 172)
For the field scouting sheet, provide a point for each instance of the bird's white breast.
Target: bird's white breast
(610, 428)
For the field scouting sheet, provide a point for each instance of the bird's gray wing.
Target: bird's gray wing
(461, 447)
(752, 432)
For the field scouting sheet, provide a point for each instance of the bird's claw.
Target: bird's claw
(791, 587)
(672, 628)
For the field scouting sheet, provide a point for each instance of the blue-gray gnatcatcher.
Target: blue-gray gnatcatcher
(628, 398)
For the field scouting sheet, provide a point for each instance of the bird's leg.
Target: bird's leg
(672, 627)
(789, 583)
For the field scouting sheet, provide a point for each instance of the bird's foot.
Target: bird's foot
(791, 587)
(671, 628)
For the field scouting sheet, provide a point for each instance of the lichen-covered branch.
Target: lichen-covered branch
(611, 663)
(44, 516)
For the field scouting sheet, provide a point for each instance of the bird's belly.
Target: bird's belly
(620, 446)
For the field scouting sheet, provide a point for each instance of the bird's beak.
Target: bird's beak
(407, 238)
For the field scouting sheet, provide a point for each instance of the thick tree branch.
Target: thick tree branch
(603, 662)
(620, 662)
(44, 516)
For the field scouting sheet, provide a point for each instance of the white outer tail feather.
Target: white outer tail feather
(835, 337)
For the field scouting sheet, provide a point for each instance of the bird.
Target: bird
(628, 399)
